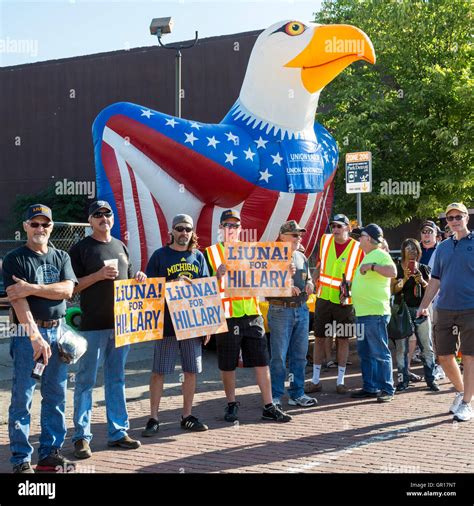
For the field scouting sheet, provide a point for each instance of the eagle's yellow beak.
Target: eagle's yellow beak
(331, 50)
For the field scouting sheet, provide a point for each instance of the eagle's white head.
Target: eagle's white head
(289, 66)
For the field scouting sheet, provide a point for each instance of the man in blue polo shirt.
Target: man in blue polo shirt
(453, 277)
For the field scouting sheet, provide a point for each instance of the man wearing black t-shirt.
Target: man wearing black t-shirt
(98, 260)
(38, 280)
(180, 257)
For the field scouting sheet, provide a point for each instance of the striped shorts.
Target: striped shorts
(167, 350)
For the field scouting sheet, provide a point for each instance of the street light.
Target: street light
(160, 27)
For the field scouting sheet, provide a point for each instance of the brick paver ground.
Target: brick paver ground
(412, 434)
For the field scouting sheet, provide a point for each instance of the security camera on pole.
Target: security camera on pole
(359, 177)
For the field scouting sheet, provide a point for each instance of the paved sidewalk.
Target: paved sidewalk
(412, 434)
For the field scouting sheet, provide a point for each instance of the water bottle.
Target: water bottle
(344, 290)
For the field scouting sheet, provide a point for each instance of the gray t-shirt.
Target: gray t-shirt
(40, 269)
(300, 278)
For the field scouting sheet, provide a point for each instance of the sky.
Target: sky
(32, 31)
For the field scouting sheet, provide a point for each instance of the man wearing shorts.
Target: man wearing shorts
(180, 257)
(453, 278)
(339, 257)
(246, 331)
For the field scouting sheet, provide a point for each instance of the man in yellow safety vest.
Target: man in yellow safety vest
(339, 257)
(246, 335)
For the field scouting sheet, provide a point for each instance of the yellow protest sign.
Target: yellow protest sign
(257, 268)
(195, 307)
(138, 310)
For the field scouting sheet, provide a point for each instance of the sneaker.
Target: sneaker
(363, 394)
(463, 413)
(385, 397)
(192, 423)
(331, 364)
(277, 403)
(126, 443)
(439, 374)
(341, 389)
(304, 401)
(311, 388)
(414, 378)
(55, 463)
(275, 414)
(401, 386)
(456, 403)
(23, 468)
(82, 450)
(151, 428)
(231, 411)
(434, 387)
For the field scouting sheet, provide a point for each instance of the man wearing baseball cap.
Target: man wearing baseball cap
(453, 278)
(98, 260)
(371, 298)
(246, 334)
(288, 321)
(339, 257)
(180, 257)
(38, 279)
(429, 232)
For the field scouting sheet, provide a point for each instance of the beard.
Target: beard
(182, 241)
(40, 239)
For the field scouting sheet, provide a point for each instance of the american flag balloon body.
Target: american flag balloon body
(268, 158)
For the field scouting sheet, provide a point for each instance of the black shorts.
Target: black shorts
(334, 320)
(247, 334)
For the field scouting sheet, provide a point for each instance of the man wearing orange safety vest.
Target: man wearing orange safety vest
(246, 333)
(339, 257)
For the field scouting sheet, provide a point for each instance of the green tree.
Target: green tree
(413, 109)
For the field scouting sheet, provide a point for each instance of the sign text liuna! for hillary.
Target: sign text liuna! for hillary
(257, 268)
(195, 307)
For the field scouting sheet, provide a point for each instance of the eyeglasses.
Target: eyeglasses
(428, 231)
(183, 229)
(230, 225)
(458, 217)
(35, 224)
(293, 235)
(99, 214)
(336, 225)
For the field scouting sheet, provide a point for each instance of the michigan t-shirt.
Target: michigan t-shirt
(170, 264)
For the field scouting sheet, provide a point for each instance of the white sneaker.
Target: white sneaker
(456, 403)
(305, 401)
(463, 413)
(439, 374)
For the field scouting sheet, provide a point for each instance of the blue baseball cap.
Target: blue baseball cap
(374, 231)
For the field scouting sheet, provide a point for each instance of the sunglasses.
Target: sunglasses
(99, 214)
(294, 235)
(458, 217)
(336, 225)
(428, 231)
(231, 225)
(35, 224)
(183, 229)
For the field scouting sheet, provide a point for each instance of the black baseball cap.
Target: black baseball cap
(99, 204)
(374, 231)
(230, 213)
(429, 224)
(39, 210)
(342, 219)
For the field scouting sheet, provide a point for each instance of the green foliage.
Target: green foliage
(69, 208)
(413, 109)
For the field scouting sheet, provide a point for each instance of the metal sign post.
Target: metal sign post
(359, 177)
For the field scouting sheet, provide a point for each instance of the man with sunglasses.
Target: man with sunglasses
(246, 336)
(180, 257)
(339, 257)
(288, 320)
(429, 241)
(453, 278)
(39, 280)
(99, 260)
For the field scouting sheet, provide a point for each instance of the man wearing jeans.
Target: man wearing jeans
(38, 280)
(98, 260)
(371, 299)
(288, 320)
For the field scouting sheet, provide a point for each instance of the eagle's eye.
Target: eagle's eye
(294, 28)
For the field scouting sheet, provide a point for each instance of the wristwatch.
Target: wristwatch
(372, 267)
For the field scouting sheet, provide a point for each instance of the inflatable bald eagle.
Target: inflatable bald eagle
(268, 158)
